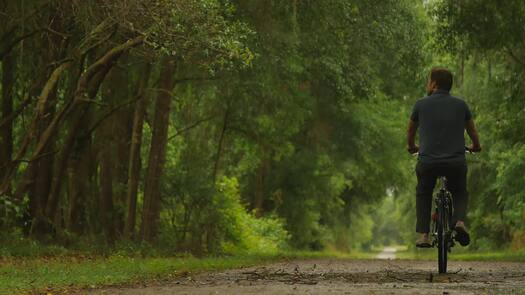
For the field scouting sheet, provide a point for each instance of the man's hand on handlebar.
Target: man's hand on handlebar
(413, 149)
(474, 148)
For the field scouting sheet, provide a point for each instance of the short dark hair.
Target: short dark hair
(442, 77)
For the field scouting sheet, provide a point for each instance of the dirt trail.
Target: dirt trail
(388, 253)
(336, 276)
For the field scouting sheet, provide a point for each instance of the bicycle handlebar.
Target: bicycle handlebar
(467, 150)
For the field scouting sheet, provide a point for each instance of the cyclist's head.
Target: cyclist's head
(439, 78)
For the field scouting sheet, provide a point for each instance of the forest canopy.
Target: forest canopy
(211, 126)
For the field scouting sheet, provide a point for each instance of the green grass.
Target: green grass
(59, 274)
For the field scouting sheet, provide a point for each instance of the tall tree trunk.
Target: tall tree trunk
(134, 156)
(219, 146)
(461, 74)
(61, 165)
(120, 124)
(6, 131)
(152, 198)
(106, 195)
(113, 154)
(79, 174)
(489, 71)
(260, 179)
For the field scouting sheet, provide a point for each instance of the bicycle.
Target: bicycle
(441, 225)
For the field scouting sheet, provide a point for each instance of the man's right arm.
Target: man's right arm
(411, 137)
(473, 134)
(411, 130)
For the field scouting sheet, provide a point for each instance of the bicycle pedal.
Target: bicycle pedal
(450, 245)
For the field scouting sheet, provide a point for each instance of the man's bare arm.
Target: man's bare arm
(473, 134)
(411, 137)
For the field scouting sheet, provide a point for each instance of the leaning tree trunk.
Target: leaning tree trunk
(40, 184)
(152, 199)
(86, 89)
(24, 144)
(134, 156)
(78, 104)
(43, 175)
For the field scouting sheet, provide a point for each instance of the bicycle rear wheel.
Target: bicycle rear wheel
(442, 241)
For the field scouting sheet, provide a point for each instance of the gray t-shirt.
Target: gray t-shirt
(441, 119)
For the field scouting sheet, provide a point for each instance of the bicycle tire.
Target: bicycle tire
(442, 240)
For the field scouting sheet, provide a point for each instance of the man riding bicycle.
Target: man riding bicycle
(442, 120)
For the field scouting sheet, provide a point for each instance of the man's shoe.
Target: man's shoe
(462, 235)
(423, 241)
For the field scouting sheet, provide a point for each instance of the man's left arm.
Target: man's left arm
(472, 131)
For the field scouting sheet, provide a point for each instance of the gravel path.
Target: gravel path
(337, 276)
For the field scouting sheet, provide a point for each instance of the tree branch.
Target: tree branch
(43, 155)
(111, 112)
(63, 35)
(11, 45)
(106, 60)
(192, 125)
(188, 79)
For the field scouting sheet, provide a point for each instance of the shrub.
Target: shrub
(235, 230)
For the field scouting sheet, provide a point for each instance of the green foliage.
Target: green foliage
(479, 24)
(222, 224)
(11, 210)
(14, 244)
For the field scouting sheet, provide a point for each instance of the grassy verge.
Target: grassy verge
(59, 274)
(463, 255)
(62, 273)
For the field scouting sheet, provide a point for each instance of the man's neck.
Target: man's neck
(440, 91)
